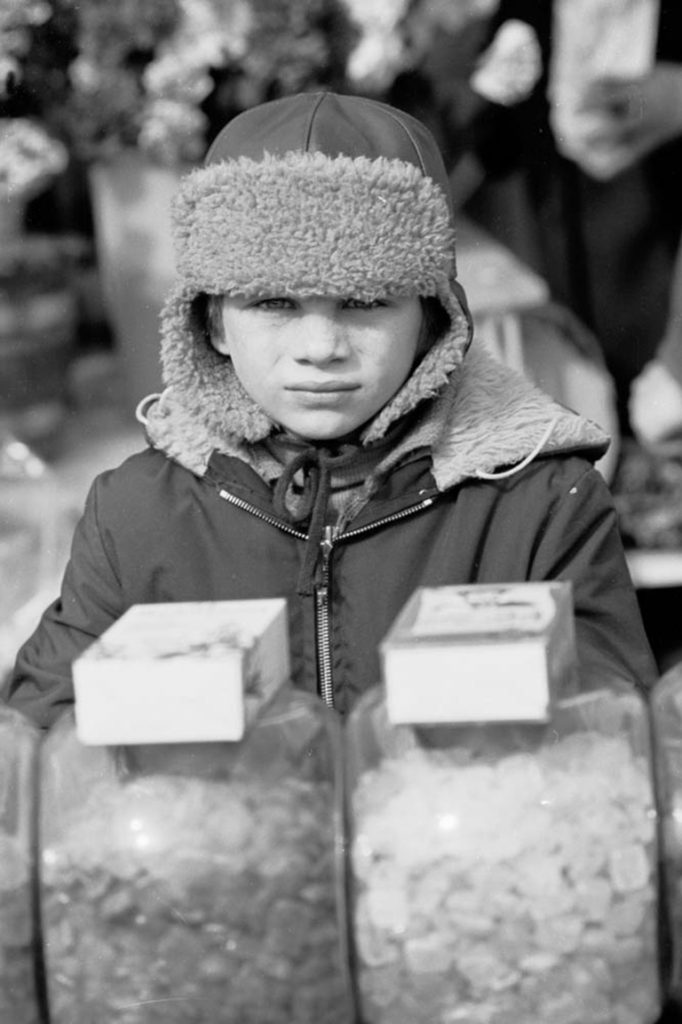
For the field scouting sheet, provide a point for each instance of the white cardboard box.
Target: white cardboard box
(181, 672)
(480, 653)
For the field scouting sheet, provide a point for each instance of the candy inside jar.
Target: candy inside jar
(505, 872)
(199, 883)
(666, 710)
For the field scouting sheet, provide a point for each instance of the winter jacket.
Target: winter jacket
(155, 531)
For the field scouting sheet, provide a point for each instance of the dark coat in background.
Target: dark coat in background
(606, 248)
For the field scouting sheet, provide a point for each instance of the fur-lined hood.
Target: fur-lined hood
(480, 421)
(336, 195)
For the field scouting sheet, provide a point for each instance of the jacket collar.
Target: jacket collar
(494, 420)
(485, 420)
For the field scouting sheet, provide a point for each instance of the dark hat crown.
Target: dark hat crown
(334, 125)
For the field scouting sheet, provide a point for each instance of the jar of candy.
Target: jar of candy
(19, 997)
(197, 883)
(666, 710)
(505, 871)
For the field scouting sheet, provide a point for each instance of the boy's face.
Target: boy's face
(320, 367)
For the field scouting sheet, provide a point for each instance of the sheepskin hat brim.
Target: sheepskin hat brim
(308, 224)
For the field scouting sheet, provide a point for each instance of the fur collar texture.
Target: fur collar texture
(478, 419)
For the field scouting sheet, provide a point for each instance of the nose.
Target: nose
(321, 339)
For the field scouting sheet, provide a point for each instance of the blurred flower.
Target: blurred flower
(16, 20)
(511, 67)
(380, 52)
(397, 35)
(376, 60)
(165, 74)
(29, 158)
(167, 121)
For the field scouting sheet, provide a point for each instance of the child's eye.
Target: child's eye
(364, 304)
(273, 302)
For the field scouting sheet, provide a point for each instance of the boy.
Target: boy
(328, 433)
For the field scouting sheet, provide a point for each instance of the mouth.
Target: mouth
(328, 387)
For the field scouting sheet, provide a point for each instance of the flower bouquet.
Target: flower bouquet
(165, 75)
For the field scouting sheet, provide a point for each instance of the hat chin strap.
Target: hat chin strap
(482, 475)
(318, 466)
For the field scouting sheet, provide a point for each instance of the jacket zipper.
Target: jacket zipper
(392, 518)
(259, 514)
(322, 602)
(323, 621)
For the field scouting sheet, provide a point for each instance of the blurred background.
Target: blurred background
(561, 126)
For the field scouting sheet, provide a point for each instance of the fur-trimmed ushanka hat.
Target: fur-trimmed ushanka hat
(313, 194)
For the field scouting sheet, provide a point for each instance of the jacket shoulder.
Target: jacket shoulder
(140, 468)
(144, 484)
(493, 420)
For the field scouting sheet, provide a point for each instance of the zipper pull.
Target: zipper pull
(327, 542)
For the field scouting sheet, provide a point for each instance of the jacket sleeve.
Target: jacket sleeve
(90, 600)
(581, 543)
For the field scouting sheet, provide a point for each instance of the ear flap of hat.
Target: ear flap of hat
(203, 379)
(437, 367)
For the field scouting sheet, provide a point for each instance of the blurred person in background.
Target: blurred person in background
(581, 102)
(655, 405)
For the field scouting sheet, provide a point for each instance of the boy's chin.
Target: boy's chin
(330, 436)
(353, 437)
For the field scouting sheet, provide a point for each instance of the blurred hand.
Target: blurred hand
(633, 117)
(655, 405)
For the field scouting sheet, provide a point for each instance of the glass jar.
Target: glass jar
(197, 883)
(666, 710)
(504, 872)
(19, 1001)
